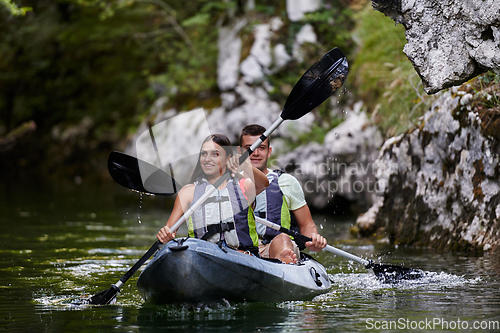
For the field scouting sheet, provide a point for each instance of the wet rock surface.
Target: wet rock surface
(341, 167)
(439, 183)
(450, 41)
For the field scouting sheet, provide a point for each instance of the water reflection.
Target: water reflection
(58, 248)
(243, 317)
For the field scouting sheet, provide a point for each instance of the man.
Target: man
(283, 195)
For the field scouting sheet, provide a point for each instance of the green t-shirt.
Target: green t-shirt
(292, 192)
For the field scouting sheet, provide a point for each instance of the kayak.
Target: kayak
(191, 270)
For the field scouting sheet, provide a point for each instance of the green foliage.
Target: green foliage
(488, 90)
(218, 6)
(199, 19)
(61, 63)
(110, 59)
(14, 9)
(382, 75)
(333, 26)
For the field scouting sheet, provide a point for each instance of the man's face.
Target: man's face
(260, 156)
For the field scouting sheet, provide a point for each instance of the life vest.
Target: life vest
(224, 216)
(274, 208)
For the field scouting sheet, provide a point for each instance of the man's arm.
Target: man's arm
(292, 190)
(308, 228)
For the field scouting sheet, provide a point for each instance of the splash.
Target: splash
(430, 280)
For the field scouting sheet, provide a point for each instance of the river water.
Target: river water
(62, 244)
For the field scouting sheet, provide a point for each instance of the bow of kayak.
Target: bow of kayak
(199, 271)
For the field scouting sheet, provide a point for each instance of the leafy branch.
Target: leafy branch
(14, 9)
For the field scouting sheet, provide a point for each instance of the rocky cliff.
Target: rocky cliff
(438, 183)
(449, 41)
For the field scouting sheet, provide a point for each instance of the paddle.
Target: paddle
(130, 172)
(387, 273)
(317, 84)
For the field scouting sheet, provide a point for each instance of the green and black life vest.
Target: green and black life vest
(275, 208)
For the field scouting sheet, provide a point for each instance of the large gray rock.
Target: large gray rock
(245, 84)
(341, 166)
(449, 41)
(439, 183)
(228, 62)
(296, 9)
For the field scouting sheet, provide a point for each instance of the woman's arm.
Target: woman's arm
(257, 181)
(182, 203)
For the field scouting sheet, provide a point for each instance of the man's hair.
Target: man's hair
(252, 130)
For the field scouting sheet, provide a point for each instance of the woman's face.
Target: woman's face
(213, 159)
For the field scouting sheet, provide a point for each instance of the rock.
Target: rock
(281, 57)
(255, 109)
(305, 35)
(251, 70)
(296, 9)
(342, 166)
(261, 48)
(228, 62)
(258, 62)
(364, 222)
(244, 86)
(292, 130)
(439, 183)
(245, 99)
(449, 41)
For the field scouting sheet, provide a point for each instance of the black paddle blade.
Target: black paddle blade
(139, 175)
(105, 297)
(391, 273)
(317, 84)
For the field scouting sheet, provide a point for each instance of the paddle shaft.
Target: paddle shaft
(137, 265)
(388, 273)
(297, 235)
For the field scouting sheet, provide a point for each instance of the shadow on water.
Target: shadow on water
(243, 317)
(61, 244)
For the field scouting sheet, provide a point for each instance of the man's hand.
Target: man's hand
(317, 244)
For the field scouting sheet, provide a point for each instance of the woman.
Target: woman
(226, 216)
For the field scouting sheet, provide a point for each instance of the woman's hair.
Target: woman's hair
(219, 139)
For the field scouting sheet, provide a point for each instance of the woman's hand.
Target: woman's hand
(233, 164)
(165, 235)
(317, 244)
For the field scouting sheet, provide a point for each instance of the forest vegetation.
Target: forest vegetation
(78, 76)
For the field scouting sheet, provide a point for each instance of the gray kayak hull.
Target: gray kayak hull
(200, 271)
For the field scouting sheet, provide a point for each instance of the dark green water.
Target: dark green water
(61, 244)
